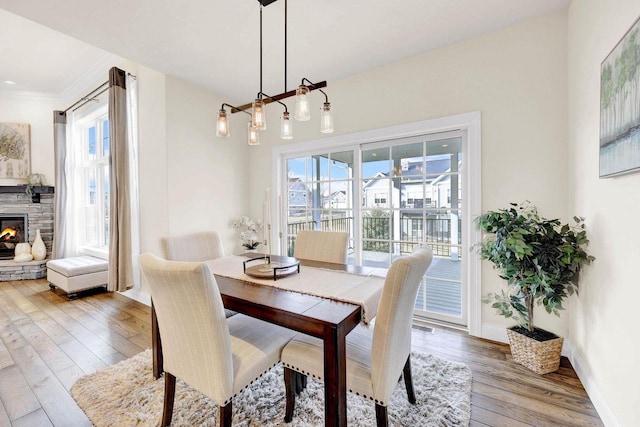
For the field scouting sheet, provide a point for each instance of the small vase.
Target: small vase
(38, 249)
(22, 248)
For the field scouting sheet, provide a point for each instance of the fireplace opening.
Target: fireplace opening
(13, 230)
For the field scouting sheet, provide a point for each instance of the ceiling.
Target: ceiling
(215, 43)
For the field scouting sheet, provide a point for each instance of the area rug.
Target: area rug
(126, 394)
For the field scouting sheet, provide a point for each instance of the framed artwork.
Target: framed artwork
(14, 150)
(620, 106)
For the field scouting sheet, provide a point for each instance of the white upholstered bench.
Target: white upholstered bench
(76, 274)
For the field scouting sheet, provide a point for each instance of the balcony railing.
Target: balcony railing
(377, 233)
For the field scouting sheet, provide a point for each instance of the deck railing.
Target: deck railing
(376, 233)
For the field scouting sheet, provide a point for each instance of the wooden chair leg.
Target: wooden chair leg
(301, 382)
(290, 386)
(408, 382)
(169, 395)
(225, 415)
(381, 416)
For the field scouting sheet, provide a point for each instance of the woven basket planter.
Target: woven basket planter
(542, 357)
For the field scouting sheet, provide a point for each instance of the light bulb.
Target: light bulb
(258, 116)
(252, 135)
(302, 112)
(222, 126)
(286, 127)
(326, 118)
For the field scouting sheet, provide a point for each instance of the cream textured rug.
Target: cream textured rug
(126, 394)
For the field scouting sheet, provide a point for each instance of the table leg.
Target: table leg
(335, 378)
(156, 345)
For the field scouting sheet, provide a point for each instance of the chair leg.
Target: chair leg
(290, 385)
(301, 382)
(225, 415)
(169, 395)
(381, 416)
(408, 382)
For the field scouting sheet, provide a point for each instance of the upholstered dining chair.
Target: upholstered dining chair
(217, 356)
(376, 357)
(326, 246)
(194, 247)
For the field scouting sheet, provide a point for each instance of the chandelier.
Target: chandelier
(301, 112)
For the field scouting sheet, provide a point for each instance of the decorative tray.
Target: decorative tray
(263, 268)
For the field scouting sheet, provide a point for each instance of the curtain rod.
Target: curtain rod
(89, 97)
(85, 100)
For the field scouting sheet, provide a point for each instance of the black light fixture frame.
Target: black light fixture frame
(286, 94)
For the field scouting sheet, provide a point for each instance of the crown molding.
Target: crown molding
(95, 75)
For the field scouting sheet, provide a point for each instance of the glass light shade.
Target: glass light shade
(222, 126)
(286, 127)
(302, 112)
(326, 118)
(258, 116)
(252, 135)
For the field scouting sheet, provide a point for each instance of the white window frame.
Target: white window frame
(96, 117)
(471, 181)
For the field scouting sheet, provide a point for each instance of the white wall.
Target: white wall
(153, 170)
(38, 112)
(604, 318)
(517, 78)
(207, 176)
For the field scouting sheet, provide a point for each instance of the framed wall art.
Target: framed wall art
(14, 150)
(620, 106)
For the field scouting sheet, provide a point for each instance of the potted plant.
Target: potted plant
(541, 260)
(250, 231)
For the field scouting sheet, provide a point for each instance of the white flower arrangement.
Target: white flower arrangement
(250, 231)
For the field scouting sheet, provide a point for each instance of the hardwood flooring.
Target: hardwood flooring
(47, 342)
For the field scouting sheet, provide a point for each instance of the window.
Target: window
(92, 152)
(380, 199)
(320, 189)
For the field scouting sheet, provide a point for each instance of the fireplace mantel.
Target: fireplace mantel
(36, 190)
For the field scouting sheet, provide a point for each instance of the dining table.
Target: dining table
(309, 311)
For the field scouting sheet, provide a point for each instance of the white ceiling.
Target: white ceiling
(215, 43)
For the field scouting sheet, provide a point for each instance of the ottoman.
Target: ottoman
(76, 274)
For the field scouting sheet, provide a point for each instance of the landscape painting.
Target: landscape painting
(14, 150)
(620, 107)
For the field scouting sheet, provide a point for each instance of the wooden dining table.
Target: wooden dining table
(323, 318)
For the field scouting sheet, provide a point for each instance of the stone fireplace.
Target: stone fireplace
(24, 215)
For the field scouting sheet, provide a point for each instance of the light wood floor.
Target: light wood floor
(47, 342)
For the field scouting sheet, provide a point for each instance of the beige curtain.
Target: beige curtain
(60, 199)
(120, 253)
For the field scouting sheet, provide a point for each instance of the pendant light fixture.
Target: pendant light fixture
(258, 115)
(252, 134)
(222, 127)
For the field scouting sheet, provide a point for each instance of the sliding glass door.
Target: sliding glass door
(412, 195)
(390, 196)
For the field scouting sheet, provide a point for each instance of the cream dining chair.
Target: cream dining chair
(375, 357)
(326, 246)
(194, 247)
(217, 356)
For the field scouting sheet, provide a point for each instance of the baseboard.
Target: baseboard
(137, 295)
(499, 334)
(586, 378)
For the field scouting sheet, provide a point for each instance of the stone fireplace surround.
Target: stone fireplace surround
(39, 209)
